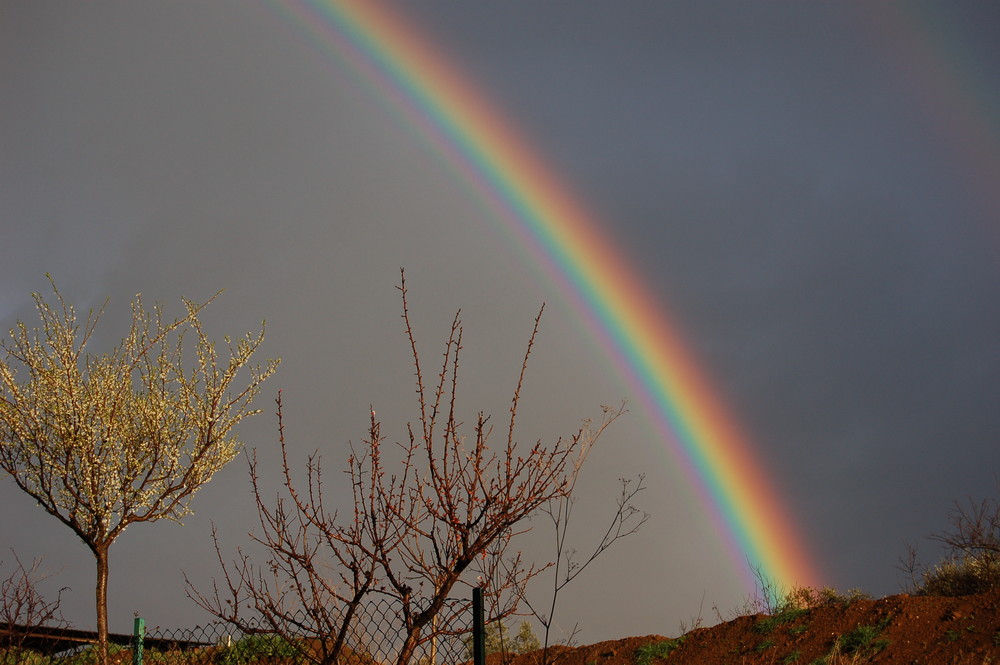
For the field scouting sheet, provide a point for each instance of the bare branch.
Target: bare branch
(446, 518)
(625, 521)
(22, 605)
(972, 562)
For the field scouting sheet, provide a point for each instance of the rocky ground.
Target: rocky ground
(898, 630)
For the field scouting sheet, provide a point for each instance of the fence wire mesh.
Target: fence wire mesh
(375, 637)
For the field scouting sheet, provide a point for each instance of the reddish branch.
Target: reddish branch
(23, 607)
(448, 515)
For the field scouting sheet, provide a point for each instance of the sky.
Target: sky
(808, 192)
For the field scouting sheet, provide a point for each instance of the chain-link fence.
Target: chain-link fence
(375, 637)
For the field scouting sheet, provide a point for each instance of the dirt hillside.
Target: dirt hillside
(897, 630)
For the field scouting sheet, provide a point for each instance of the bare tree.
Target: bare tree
(23, 607)
(972, 559)
(471, 500)
(975, 530)
(626, 520)
(447, 515)
(317, 571)
(105, 441)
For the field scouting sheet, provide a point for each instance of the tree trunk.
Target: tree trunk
(409, 647)
(101, 554)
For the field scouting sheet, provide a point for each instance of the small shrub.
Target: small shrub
(20, 656)
(257, 647)
(767, 625)
(802, 597)
(177, 656)
(646, 653)
(973, 561)
(790, 604)
(791, 658)
(89, 655)
(833, 597)
(807, 597)
(961, 577)
(499, 640)
(863, 641)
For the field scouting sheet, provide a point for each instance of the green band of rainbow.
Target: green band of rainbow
(568, 242)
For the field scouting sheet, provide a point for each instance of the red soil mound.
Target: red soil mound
(897, 630)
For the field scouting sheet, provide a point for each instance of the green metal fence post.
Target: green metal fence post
(478, 628)
(138, 634)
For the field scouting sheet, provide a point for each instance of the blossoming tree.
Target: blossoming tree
(103, 441)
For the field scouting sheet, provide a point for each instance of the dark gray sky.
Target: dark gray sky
(811, 190)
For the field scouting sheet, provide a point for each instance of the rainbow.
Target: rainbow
(389, 55)
(923, 44)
